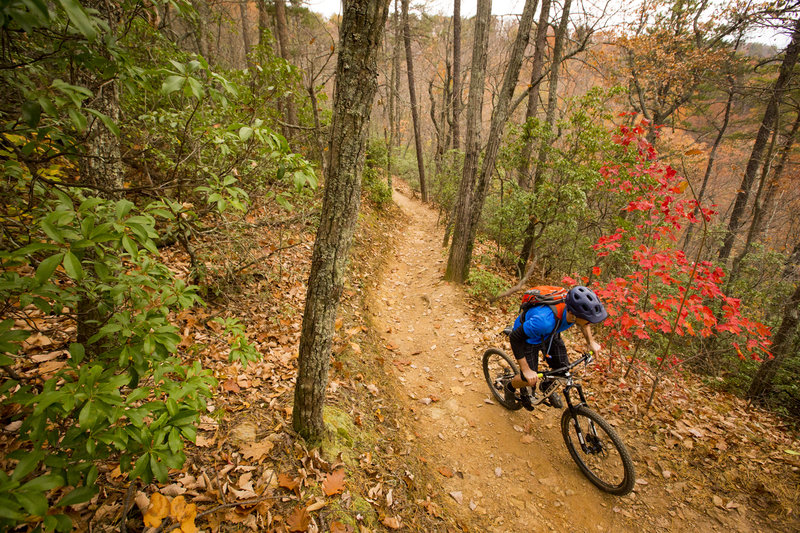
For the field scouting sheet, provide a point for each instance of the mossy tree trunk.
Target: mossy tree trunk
(356, 82)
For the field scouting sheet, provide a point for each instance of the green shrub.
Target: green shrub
(485, 285)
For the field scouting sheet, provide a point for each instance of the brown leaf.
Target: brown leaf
(338, 527)
(158, 510)
(288, 482)
(257, 450)
(391, 522)
(446, 472)
(334, 483)
(230, 385)
(299, 520)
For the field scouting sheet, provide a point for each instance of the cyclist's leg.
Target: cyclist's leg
(555, 358)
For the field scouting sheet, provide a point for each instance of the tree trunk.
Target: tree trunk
(464, 235)
(757, 209)
(392, 103)
(245, 33)
(552, 92)
(772, 188)
(712, 156)
(782, 341)
(263, 21)
(756, 156)
(552, 98)
(101, 166)
(356, 82)
(456, 104)
(458, 260)
(523, 177)
(412, 94)
(283, 40)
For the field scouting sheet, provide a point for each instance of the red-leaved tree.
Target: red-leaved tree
(652, 291)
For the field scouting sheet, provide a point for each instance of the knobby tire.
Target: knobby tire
(611, 444)
(497, 364)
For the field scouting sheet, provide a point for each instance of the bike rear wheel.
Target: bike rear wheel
(498, 369)
(598, 451)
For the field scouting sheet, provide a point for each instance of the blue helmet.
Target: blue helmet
(584, 303)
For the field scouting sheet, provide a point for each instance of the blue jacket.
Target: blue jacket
(540, 322)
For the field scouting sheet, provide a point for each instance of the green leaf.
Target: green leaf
(77, 351)
(106, 120)
(43, 483)
(172, 84)
(33, 502)
(27, 464)
(245, 132)
(79, 17)
(52, 232)
(194, 88)
(78, 495)
(77, 119)
(158, 468)
(47, 267)
(73, 266)
(792, 452)
(31, 113)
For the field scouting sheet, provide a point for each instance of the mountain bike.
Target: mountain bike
(592, 442)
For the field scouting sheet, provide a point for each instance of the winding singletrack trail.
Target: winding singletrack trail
(510, 469)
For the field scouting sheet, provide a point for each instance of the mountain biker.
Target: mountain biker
(539, 328)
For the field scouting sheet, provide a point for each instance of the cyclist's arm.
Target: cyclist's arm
(527, 372)
(586, 329)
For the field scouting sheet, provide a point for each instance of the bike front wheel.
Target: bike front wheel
(498, 369)
(598, 451)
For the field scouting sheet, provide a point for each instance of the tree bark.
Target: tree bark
(283, 40)
(457, 262)
(712, 156)
(552, 92)
(360, 33)
(552, 98)
(523, 178)
(392, 101)
(465, 230)
(756, 156)
(412, 94)
(263, 21)
(245, 33)
(782, 342)
(456, 96)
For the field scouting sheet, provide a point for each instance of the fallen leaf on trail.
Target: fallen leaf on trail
(173, 490)
(257, 450)
(204, 442)
(317, 505)
(230, 385)
(158, 510)
(299, 520)
(718, 501)
(527, 439)
(338, 527)
(457, 496)
(446, 472)
(334, 483)
(355, 347)
(287, 482)
(392, 522)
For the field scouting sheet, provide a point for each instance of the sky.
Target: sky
(508, 7)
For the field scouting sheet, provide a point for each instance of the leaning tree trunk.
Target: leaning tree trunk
(412, 94)
(356, 82)
(753, 164)
(457, 262)
(464, 236)
(456, 104)
(782, 343)
(523, 177)
(283, 40)
(392, 101)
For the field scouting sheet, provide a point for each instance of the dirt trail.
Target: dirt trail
(516, 486)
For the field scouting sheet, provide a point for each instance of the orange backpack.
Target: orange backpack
(553, 297)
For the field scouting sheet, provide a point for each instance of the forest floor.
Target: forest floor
(512, 468)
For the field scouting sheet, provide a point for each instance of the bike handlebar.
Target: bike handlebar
(587, 358)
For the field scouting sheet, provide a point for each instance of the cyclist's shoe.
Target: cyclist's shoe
(554, 401)
(525, 400)
(510, 396)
